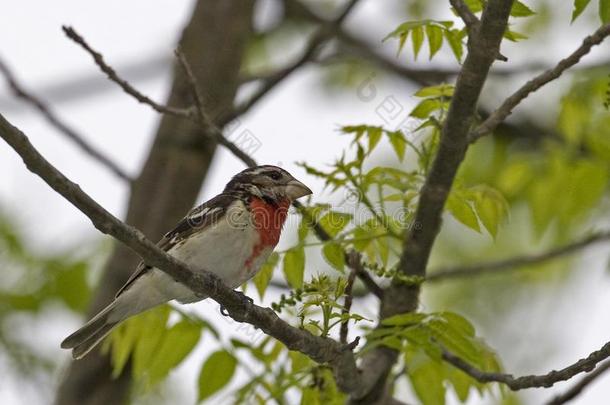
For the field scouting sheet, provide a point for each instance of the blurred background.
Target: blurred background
(551, 163)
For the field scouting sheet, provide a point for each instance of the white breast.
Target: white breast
(222, 248)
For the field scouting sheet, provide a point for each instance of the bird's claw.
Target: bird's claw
(245, 299)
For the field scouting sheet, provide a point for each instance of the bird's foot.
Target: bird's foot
(245, 299)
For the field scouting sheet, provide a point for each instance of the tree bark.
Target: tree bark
(213, 42)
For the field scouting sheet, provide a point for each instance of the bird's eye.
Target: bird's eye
(274, 175)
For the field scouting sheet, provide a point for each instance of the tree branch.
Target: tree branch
(98, 58)
(525, 260)
(203, 283)
(356, 266)
(530, 381)
(208, 126)
(579, 387)
(61, 126)
(537, 82)
(323, 34)
(483, 48)
(465, 14)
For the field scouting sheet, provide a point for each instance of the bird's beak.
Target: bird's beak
(295, 189)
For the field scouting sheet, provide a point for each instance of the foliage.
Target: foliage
(603, 10)
(421, 338)
(30, 283)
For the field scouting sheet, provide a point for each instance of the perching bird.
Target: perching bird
(230, 235)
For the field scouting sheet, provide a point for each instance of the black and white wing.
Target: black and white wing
(197, 220)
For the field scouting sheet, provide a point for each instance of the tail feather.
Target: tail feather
(81, 350)
(92, 333)
(150, 290)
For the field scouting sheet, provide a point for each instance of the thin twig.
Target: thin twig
(323, 34)
(465, 14)
(61, 126)
(579, 387)
(322, 235)
(513, 262)
(207, 124)
(537, 82)
(530, 381)
(354, 263)
(124, 84)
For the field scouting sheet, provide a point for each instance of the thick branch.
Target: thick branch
(579, 387)
(61, 126)
(483, 48)
(322, 350)
(537, 82)
(531, 381)
(507, 264)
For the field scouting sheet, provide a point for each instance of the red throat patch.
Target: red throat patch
(268, 220)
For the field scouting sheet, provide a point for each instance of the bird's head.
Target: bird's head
(268, 182)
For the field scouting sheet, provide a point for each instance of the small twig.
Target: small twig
(208, 126)
(61, 126)
(124, 84)
(354, 263)
(537, 82)
(465, 14)
(578, 388)
(363, 275)
(324, 33)
(530, 381)
(507, 264)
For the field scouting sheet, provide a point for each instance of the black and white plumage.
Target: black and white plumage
(230, 235)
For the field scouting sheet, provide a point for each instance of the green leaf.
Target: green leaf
(177, 343)
(417, 37)
(406, 319)
(514, 36)
(69, 283)
(521, 10)
(310, 396)
(425, 108)
(151, 325)
(294, 266)
(334, 222)
(440, 90)
(298, 361)
(397, 139)
(426, 376)
(262, 278)
(435, 39)
(454, 39)
(491, 207)
(334, 255)
(474, 5)
(374, 134)
(216, 372)
(579, 7)
(604, 11)
(460, 207)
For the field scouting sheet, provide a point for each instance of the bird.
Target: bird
(230, 235)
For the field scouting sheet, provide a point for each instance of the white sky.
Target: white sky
(297, 122)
